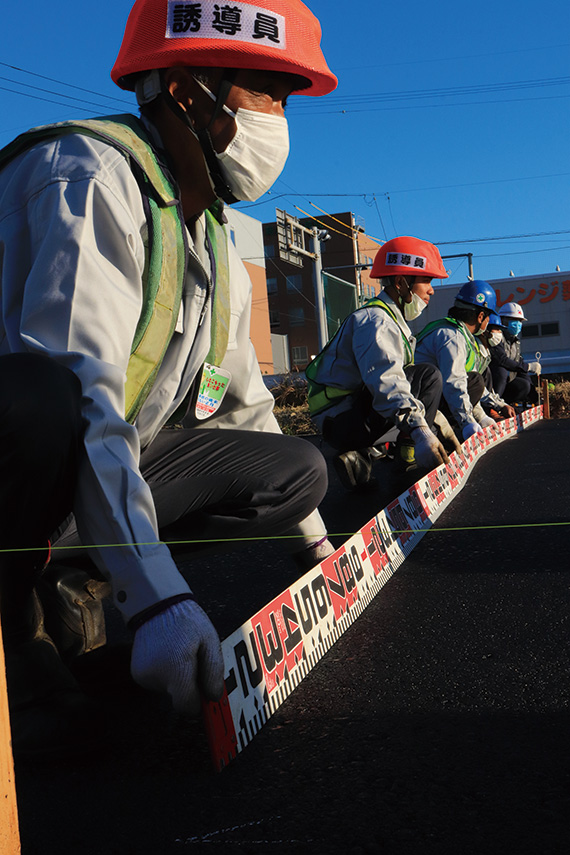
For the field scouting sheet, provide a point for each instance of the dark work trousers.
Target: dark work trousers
(212, 486)
(475, 388)
(362, 426)
(516, 391)
(40, 440)
(207, 484)
(487, 376)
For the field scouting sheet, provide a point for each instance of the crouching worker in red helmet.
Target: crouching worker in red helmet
(365, 382)
(125, 313)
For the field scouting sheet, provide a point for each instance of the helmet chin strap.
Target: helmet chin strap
(402, 296)
(217, 180)
(479, 325)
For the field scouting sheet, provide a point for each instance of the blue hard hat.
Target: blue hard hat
(479, 294)
(495, 321)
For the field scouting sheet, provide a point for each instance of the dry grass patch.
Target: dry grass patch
(559, 398)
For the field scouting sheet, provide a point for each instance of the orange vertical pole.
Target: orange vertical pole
(9, 830)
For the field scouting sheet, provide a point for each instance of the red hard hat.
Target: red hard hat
(274, 35)
(408, 255)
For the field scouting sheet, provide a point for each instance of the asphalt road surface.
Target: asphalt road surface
(438, 723)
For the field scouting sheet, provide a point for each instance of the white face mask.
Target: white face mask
(254, 159)
(495, 338)
(414, 309)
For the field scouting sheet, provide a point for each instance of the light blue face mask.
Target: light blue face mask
(514, 327)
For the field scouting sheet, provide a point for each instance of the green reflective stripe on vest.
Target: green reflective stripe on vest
(474, 356)
(322, 397)
(163, 277)
(220, 327)
(166, 250)
(376, 301)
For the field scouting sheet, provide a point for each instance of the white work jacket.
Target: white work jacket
(72, 225)
(445, 347)
(370, 350)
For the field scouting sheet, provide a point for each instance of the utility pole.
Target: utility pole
(357, 265)
(320, 303)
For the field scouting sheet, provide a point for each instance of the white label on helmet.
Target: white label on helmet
(235, 22)
(404, 259)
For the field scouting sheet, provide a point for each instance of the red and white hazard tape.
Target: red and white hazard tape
(268, 656)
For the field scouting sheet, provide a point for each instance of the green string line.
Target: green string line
(283, 537)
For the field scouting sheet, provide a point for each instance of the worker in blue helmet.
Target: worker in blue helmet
(493, 404)
(454, 345)
(509, 370)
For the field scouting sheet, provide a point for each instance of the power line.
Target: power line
(51, 92)
(435, 106)
(405, 190)
(474, 89)
(380, 217)
(63, 83)
(440, 92)
(46, 100)
(524, 252)
(504, 237)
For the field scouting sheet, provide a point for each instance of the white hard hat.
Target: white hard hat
(512, 310)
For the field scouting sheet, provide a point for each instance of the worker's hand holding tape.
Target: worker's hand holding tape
(178, 651)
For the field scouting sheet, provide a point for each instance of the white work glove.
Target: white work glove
(470, 429)
(446, 431)
(487, 421)
(534, 367)
(178, 651)
(484, 420)
(428, 450)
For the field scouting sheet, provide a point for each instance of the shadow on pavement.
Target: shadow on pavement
(437, 724)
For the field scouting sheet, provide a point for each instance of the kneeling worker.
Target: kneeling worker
(510, 371)
(451, 344)
(364, 381)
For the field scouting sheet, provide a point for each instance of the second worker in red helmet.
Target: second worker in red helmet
(364, 382)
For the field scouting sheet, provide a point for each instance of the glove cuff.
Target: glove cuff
(142, 617)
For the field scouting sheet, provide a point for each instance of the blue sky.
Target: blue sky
(450, 122)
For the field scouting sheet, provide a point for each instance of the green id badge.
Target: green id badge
(213, 387)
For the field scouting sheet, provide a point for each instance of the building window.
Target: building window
(300, 355)
(272, 285)
(296, 316)
(269, 250)
(233, 235)
(294, 283)
(539, 330)
(273, 318)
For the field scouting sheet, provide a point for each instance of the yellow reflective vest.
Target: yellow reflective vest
(322, 397)
(167, 249)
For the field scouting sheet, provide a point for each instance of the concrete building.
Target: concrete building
(247, 236)
(292, 292)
